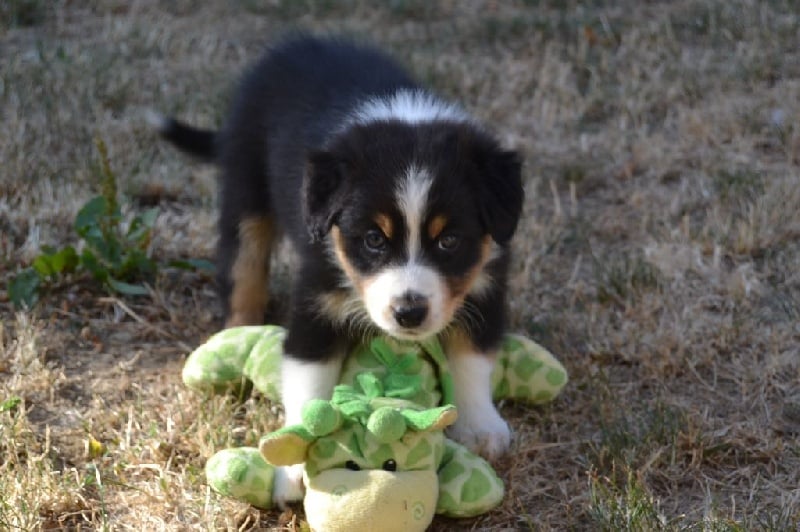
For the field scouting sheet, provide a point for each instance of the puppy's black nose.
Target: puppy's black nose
(410, 310)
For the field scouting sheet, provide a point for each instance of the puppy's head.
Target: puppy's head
(413, 214)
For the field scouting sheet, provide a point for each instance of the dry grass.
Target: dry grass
(658, 256)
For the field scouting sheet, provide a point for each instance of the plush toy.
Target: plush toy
(376, 454)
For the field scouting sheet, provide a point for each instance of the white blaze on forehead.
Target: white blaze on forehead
(412, 199)
(411, 106)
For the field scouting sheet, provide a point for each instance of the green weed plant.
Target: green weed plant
(115, 254)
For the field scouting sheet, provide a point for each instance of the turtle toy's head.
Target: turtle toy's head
(370, 461)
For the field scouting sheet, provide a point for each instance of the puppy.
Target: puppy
(399, 205)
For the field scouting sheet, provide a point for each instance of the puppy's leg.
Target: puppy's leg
(309, 370)
(479, 426)
(301, 381)
(246, 223)
(249, 272)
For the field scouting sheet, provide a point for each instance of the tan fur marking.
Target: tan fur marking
(346, 265)
(339, 306)
(457, 342)
(436, 226)
(333, 304)
(250, 272)
(459, 287)
(344, 307)
(385, 225)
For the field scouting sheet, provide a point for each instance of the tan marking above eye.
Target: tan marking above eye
(436, 226)
(385, 224)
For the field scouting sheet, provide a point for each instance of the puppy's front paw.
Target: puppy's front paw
(482, 431)
(288, 485)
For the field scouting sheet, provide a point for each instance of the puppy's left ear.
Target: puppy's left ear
(500, 191)
(323, 193)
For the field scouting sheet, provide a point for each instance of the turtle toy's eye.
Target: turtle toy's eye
(389, 465)
(352, 466)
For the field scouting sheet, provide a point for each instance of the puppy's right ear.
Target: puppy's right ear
(323, 194)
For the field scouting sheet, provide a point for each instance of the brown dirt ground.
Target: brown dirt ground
(657, 258)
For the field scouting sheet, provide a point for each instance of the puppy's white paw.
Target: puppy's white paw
(482, 431)
(288, 485)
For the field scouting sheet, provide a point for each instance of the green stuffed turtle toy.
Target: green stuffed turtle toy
(376, 454)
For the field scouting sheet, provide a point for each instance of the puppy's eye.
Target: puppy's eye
(375, 241)
(352, 466)
(449, 242)
(389, 465)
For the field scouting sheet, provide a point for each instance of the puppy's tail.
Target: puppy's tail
(200, 143)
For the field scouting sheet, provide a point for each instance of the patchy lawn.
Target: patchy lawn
(658, 257)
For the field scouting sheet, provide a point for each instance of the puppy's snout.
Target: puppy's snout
(410, 310)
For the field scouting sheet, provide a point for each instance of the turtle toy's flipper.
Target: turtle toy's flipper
(243, 474)
(236, 360)
(468, 485)
(526, 371)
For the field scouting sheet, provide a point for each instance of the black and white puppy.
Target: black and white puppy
(398, 204)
